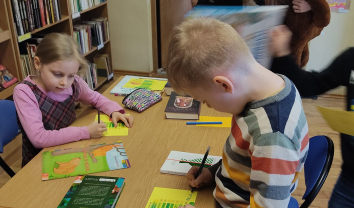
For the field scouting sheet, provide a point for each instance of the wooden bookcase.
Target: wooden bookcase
(7, 50)
(10, 57)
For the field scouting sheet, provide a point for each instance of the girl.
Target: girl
(46, 103)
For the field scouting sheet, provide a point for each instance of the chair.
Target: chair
(8, 129)
(317, 166)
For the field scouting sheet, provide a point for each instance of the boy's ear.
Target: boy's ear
(224, 83)
(37, 63)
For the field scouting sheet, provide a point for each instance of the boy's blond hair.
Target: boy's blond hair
(56, 47)
(200, 46)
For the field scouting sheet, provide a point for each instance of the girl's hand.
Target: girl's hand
(205, 178)
(280, 37)
(96, 129)
(301, 6)
(127, 119)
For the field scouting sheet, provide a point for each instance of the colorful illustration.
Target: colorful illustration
(339, 5)
(165, 197)
(93, 191)
(149, 84)
(198, 161)
(79, 161)
(120, 130)
(179, 163)
(183, 102)
(120, 88)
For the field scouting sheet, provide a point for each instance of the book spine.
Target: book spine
(59, 10)
(41, 9)
(29, 15)
(51, 10)
(38, 15)
(17, 17)
(34, 12)
(23, 18)
(46, 11)
(55, 7)
(27, 22)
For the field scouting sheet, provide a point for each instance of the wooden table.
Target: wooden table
(148, 144)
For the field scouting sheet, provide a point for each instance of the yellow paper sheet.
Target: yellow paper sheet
(121, 129)
(149, 84)
(226, 121)
(339, 120)
(166, 197)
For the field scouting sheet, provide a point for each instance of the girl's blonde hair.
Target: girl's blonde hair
(198, 47)
(58, 46)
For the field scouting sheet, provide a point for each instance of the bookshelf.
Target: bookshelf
(7, 50)
(9, 39)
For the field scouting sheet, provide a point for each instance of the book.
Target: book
(182, 107)
(251, 22)
(64, 163)
(90, 191)
(17, 17)
(119, 89)
(6, 78)
(179, 163)
(168, 89)
(167, 197)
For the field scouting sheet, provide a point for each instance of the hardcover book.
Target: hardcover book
(90, 191)
(179, 163)
(251, 22)
(83, 160)
(182, 107)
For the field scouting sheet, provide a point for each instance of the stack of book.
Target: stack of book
(80, 5)
(90, 76)
(33, 14)
(91, 33)
(27, 53)
(103, 65)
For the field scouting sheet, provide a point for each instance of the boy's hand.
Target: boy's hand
(96, 129)
(194, 3)
(301, 6)
(280, 37)
(127, 119)
(249, 3)
(205, 178)
(187, 206)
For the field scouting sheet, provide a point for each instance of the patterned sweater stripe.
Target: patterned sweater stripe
(237, 134)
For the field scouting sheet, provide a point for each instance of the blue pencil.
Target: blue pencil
(204, 122)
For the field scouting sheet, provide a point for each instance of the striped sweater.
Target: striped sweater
(264, 153)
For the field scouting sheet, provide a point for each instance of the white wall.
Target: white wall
(335, 38)
(130, 30)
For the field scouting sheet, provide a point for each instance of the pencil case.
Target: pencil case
(141, 99)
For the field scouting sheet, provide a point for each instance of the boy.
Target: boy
(267, 147)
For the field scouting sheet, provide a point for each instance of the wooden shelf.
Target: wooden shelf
(100, 81)
(94, 7)
(8, 91)
(94, 48)
(47, 26)
(5, 35)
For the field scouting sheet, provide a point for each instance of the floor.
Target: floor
(317, 126)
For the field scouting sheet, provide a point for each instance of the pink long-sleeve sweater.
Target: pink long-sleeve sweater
(31, 117)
